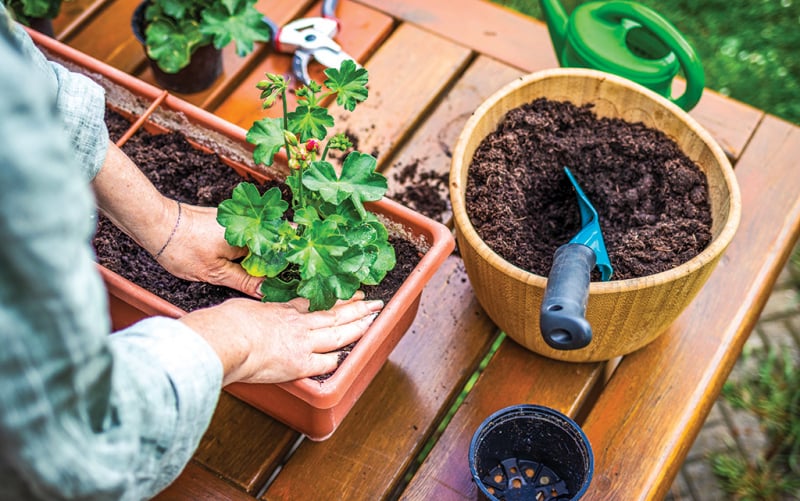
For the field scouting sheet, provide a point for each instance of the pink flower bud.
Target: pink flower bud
(312, 145)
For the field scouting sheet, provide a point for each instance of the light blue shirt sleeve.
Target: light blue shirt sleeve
(83, 414)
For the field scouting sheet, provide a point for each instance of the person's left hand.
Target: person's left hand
(198, 251)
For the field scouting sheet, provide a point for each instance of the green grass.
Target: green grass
(748, 47)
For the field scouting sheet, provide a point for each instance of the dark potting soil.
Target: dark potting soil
(189, 175)
(422, 191)
(652, 200)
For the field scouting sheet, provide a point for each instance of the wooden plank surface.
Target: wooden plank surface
(369, 453)
(362, 30)
(73, 14)
(243, 445)
(524, 42)
(423, 165)
(514, 376)
(405, 81)
(234, 67)
(487, 28)
(657, 400)
(109, 37)
(198, 484)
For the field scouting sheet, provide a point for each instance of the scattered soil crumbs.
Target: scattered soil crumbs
(189, 175)
(423, 191)
(652, 200)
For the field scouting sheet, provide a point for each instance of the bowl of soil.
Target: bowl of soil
(666, 196)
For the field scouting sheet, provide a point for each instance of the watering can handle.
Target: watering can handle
(671, 37)
(561, 318)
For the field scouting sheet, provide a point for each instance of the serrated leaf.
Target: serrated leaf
(384, 263)
(309, 122)
(358, 182)
(251, 219)
(171, 44)
(267, 135)
(349, 82)
(234, 21)
(306, 216)
(270, 264)
(317, 249)
(276, 290)
(358, 261)
(319, 293)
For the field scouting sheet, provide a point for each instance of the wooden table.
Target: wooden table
(431, 63)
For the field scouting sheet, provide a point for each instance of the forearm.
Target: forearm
(132, 203)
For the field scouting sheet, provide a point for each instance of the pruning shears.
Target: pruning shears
(310, 37)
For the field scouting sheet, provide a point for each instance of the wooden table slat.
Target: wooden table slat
(243, 444)
(198, 484)
(405, 81)
(659, 397)
(73, 14)
(427, 152)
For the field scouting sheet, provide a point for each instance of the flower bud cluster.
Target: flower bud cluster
(301, 155)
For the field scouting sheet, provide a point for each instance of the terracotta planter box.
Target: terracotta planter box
(311, 407)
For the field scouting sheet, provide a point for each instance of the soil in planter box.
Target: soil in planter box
(652, 200)
(189, 175)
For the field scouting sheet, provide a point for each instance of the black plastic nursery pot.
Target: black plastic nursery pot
(205, 65)
(530, 452)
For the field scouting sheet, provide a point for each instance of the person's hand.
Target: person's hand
(197, 251)
(277, 342)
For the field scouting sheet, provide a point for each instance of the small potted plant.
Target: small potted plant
(332, 245)
(37, 14)
(183, 39)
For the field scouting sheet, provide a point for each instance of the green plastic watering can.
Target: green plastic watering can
(626, 39)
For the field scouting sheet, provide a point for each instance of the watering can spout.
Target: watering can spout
(556, 18)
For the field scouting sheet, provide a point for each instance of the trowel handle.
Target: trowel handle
(561, 319)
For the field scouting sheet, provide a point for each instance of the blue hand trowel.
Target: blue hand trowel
(562, 317)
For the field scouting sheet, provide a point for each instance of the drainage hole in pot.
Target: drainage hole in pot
(515, 479)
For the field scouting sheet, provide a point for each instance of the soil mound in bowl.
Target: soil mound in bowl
(652, 200)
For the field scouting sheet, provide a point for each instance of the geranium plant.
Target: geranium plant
(331, 244)
(25, 10)
(174, 29)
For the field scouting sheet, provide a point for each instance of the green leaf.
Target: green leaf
(276, 290)
(306, 216)
(309, 122)
(358, 261)
(321, 177)
(234, 20)
(171, 43)
(269, 264)
(384, 262)
(320, 295)
(359, 182)
(349, 82)
(316, 250)
(267, 135)
(251, 219)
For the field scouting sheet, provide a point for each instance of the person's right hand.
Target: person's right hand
(276, 342)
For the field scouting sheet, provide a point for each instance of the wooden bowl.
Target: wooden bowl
(625, 315)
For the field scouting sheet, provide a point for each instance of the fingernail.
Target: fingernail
(375, 304)
(370, 318)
